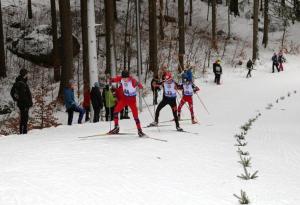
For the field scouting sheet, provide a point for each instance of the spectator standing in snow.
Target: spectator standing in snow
(250, 68)
(281, 60)
(71, 105)
(20, 93)
(155, 89)
(275, 63)
(163, 71)
(97, 101)
(86, 102)
(217, 69)
(109, 102)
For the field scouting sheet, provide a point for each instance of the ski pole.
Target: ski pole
(150, 112)
(202, 103)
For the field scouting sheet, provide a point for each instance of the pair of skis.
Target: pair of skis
(122, 133)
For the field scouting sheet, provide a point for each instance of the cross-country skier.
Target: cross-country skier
(169, 98)
(188, 89)
(129, 86)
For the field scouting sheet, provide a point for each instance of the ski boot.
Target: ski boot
(194, 121)
(114, 131)
(153, 124)
(140, 133)
(179, 129)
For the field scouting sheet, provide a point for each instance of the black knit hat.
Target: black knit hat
(23, 72)
(125, 74)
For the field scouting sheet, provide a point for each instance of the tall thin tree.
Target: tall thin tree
(85, 47)
(255, 30)
(153, 38)
(161, 19)
(2, 50)
(109, 26)
(29, 9)
(266, 24)
(214, 24)
(191, 12)
(67, 45)
(181, 34)
(55, 52)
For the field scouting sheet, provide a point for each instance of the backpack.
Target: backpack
(14, 92)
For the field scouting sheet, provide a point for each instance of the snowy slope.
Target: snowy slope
(56, 166)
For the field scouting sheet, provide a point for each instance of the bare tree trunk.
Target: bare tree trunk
(161, 19)
(229, 23)
(153, 37)
(115, 10)
(2, 50)
(191, 12)
(214, 24)
(126, 34)
(29, 8)
(266, 24)
(181, 35)
(55, 53)
(108, 33)
(255, 30)
(85, 46)
(67, 45)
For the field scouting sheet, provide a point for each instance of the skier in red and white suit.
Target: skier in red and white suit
(129, 86)
(188, 89)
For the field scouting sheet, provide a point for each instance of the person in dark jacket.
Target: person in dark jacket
(70, 103)
(22, 95)
(275, 63)
(155, 89)
(217, 69)
(250, 68)
(97, 101)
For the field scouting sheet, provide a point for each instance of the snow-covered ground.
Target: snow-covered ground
(58, 166)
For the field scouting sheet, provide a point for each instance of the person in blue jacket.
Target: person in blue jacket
(71, 105)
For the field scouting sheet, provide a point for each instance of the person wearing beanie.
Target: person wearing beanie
(71, 105)
(97, 102)
(275, 63)
(129, 86)
(20, 93)
(217, 69)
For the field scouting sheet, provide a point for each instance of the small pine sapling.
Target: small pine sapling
(240, 143)
(245, 161)
(241, 152)
(247, 175)
(243, 198)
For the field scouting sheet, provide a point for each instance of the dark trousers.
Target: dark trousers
(249, 73)
(87, 113)
(96, 114)
(275, 65)
(71, 111)
(217, 78)
(172, 103)
(155, 96)
(24, 112)
(109, 114)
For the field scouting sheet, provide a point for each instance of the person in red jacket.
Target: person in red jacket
(126, 98)
(86, 102)
(188, 88)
